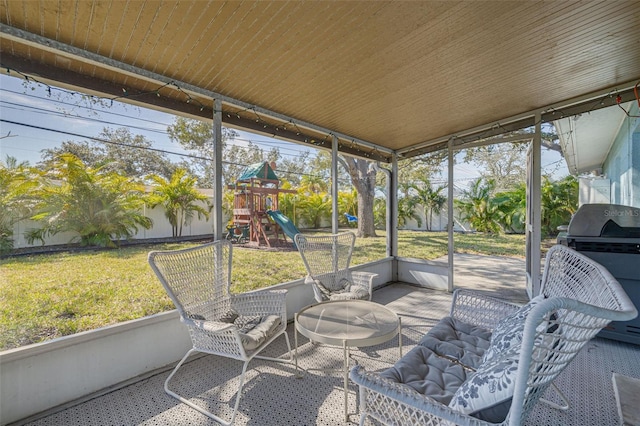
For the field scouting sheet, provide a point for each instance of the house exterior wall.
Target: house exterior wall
(622, 165)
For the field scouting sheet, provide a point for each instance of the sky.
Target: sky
(34, 117)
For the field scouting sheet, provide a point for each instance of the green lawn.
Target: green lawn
(52, 295)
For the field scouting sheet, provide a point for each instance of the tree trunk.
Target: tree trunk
(366, 224)
(363, 179)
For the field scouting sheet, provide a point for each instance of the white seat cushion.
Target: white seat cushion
(255, 332)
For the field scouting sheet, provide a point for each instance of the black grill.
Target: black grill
(610, 235)
(605, 247)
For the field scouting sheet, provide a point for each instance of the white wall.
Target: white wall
(37, 377)
(438, 222)
(594, 190)
(432, 274)
(161, 229)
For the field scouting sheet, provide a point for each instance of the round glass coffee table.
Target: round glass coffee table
(347, 323)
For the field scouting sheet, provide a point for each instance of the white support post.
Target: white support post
(217, 170)
(391, 188)
(334, 184)
(450, 214)
(392, 211)
(534, 210)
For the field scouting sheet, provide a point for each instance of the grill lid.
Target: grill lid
(605, 220)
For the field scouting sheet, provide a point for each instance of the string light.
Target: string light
(128, 94)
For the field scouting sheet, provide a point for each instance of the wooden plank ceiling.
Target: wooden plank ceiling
(402, 76)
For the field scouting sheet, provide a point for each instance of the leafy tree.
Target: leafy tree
(89, 153)
(116, 150)
(292, 169)
(197, 136)
(417, 168)
(430, 198)
(97, 204)
(356, 173)
(479, 208)
(16, 183)
(504, 163)
(180, 199)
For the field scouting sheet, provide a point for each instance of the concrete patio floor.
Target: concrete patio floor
(274, 396)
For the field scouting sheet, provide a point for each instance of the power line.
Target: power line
(48, 99)
(105, 141)
(36, 110)
(33, 109)
(197, 157)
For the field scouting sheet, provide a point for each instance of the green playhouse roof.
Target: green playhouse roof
(258, 171)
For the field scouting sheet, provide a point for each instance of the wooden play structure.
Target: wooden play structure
(255, 198)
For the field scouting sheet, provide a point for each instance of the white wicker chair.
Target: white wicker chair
(237, 326)
(581, 297)
(327, 259)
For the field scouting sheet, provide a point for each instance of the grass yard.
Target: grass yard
(51, 295)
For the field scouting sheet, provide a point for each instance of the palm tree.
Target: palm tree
(100, 206)
(513, 207)
(347, 203)
(288, 202)
(429, 198)
(479, 208)
(180, 199)
(16, 182)
(380, 213)
(407, 211)
(559, 201)
(314, 208)
(314, 184)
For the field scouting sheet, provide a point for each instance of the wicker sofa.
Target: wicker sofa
(490, 361)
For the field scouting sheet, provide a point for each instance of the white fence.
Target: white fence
(161, 229)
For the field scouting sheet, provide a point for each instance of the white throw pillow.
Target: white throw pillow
(487, 393)
(507, 336)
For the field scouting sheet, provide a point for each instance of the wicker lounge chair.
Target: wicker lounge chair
(327, 259)
(237, 326)
(489, 362)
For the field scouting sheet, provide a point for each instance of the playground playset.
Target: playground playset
(256, 218)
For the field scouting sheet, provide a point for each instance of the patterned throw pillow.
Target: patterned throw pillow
(507, 336)
(487, 393)
(230, 316)
(324, 291)
(343, 287)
